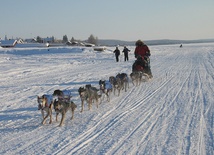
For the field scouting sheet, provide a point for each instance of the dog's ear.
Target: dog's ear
(100, 82)
(56, 92)
(88, 85)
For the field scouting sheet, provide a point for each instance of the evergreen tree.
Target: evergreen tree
(93, 40)
(72, 39)
(65, 39)
(39, 39)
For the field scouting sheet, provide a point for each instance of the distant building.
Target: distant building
(48, 40)
(31, 40)
(8, 43)
(74, 43)
(89, 45)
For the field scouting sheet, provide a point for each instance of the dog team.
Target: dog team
(62, 102)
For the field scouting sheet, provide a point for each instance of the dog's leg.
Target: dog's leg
(140, 80)
(128, 82)
(108, 93)
(97, 101)
(50, 111)
(42, 112)
(72, 113)
(82, 104)
(73, 107)
(114, 90)
(89, 104)
(132, 81)
(57, 116)
(136, 81)
(100, 98)
(62, 119)
(125, 86)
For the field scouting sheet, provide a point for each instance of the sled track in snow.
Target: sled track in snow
(156, 109)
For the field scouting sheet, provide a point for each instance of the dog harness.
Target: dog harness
(48, 98)
(108, 85)
(66, 95)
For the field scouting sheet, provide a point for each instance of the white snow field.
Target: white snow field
(172, 114)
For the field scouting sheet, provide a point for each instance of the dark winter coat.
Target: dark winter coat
(117, 52)
(126, 51)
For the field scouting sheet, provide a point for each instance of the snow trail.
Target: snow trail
(171, 114)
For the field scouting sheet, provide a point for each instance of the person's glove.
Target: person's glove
(148, 54)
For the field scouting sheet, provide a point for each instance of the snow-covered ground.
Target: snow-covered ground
(171, 114)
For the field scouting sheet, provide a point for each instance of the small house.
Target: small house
(8, 43)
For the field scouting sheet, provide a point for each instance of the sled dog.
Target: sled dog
(124, 80)
(88, 94)
(64, 95)
(62, 107)
(45, 104)
(137, 77)
(116, 83)
(105, 88)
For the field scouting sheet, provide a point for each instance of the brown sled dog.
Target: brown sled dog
(88, 94)
(62, 107)
(45, 104)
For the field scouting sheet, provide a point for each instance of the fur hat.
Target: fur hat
(139, 43)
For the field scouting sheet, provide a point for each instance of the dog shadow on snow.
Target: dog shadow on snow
(15, 115)
(18, 119)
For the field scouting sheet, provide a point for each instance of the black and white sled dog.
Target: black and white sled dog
(64, 95)
(136, 77)
(88, 94)
(116, 83)
(105, 88)
(62, 107)
(124, 80)
(45, 104)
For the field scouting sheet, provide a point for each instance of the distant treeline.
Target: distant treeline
(104, 42)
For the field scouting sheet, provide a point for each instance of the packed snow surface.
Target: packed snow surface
(171, 114)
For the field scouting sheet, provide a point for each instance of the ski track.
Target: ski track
(171, 114)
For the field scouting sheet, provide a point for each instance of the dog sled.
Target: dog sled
(142, 65)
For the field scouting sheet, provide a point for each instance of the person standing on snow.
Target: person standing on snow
(126, 53)
(117, 53)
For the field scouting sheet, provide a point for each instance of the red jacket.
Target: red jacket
(142, 51)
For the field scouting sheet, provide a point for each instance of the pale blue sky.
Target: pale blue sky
(108, 19)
